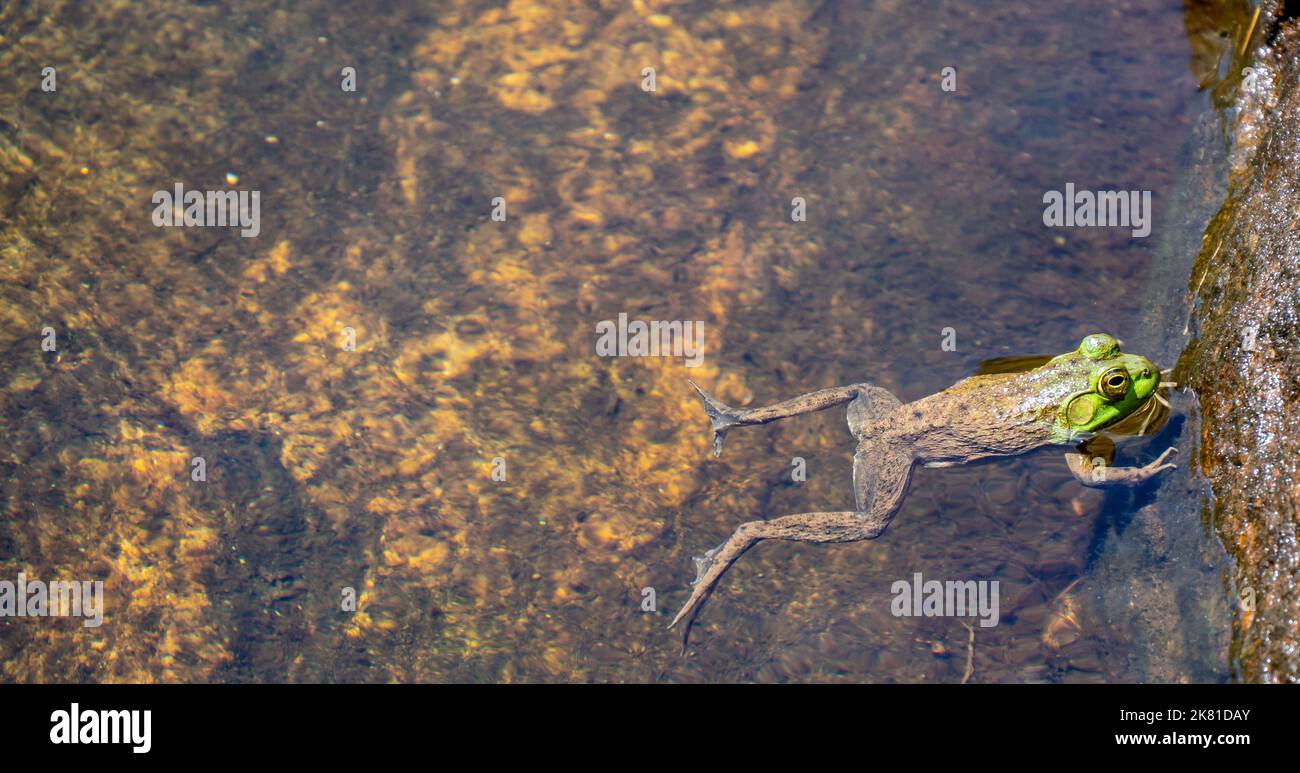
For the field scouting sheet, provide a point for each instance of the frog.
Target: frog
(1084, 400)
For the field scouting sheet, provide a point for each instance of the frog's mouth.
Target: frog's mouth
(1151, 416)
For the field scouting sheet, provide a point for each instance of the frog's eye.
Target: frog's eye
(1113, 383)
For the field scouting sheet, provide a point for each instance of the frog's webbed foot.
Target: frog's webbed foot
(1095, 472)
(708, 570)
(704, 563)
(721, 416)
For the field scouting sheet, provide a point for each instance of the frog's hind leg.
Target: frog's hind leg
(881, 471)
(723, 417)
(871, 405)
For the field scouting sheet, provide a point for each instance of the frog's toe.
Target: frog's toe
(704, 563)
(1159, 465)
(707, 573)
(721, 416)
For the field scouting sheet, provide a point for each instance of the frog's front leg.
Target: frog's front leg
(1092, 463)
(881, 470)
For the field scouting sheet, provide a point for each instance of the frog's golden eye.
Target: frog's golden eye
(1113, 383)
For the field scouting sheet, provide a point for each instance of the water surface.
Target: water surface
(372, 469)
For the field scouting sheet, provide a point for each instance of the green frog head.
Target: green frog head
(1110, 387)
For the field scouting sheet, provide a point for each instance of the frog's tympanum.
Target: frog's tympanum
(1081, 399)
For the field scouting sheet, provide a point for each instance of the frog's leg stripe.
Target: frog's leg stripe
(724, 417)
(880, 475)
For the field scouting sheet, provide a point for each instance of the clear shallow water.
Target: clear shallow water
(372, 469)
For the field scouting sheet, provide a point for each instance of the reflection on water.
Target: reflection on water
(377, 470)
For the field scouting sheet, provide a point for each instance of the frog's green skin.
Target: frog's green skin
(1078, 399)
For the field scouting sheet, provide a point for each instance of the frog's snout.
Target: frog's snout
(1146, 377)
